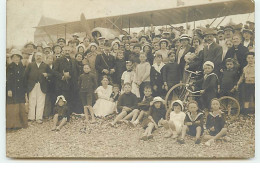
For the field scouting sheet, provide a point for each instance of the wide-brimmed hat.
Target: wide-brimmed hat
(247, 30)
(101, 38)
(143, 36)
(61, 40)
(164, 40)
(157, 99)
(29, 43)
(115, 41)
(209, 63)
(93, 44)
(184, 37)
(60, 97)
(178, 102)
(228, 27)
(147, 44)
(16, 52)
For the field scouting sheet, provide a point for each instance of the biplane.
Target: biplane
(49, 30)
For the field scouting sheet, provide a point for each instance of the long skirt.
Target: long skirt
(104, 107)
(16, 116)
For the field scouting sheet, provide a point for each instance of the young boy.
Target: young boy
(61, 113)
(142, 74)
(87, 86)
(156, 75)
(171, 72)
(120, 67)
(247, 80)
(115, 94)
(209, 85)
(126, 103)
(142, 108)
(228, 78)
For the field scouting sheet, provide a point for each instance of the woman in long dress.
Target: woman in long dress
(104, 106)
(15, 100)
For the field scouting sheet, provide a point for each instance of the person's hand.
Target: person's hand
(112, 71)
(10, 93)
(105, 71)
(67, 75)
(45, 74)
(189, 123)
(197, 122)
(212, 129)
(166, 87)
(221, 70)
(155, 88)
(202, 91)
(63, 78)
(187, 67)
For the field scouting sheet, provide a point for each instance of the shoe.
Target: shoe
(181, 141)
(197, 141)
(145, 138)
(39, 121)
(168, 135)
(150, 136)
(209, 142)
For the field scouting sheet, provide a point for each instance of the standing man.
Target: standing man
(212, 51)
(36, 75)
(105, 64)
(66, 72)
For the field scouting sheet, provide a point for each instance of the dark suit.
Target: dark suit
(182, 60)
(104, 61)
(68, 87)
(33, 75)
(213, 54)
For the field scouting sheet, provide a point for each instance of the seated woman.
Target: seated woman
(104, 106)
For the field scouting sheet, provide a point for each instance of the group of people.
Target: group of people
(130, 77)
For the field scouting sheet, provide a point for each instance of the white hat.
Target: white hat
(115, 41)
(157, 99)
(16, 52)
(60, 97)
(75, 34)
(93, 44)
(81, 45)
(184, 36)
(209, 63)
(179, 102)
(100, 38)
(164, 40)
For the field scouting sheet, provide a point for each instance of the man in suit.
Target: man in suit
(247, 35)
(182, 50)
(66, 72)
(105, 64)
(36, 75)
(212, 51)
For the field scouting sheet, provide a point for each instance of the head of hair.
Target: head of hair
(127, 84)
(142, 53)
(147, 87)
(137, 45)
(79, 54)
(192, 102)
(230, 60)
(214, 99)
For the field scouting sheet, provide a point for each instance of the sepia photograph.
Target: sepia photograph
(130, 79)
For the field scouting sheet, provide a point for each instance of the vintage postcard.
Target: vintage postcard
(130, 79)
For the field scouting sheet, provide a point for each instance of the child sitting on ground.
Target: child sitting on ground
(142, 108)
(215, 124)
(156, 113)
(126, 103)
(193, 123)
(87, 86)
(176, 121)
(115, 94)
(61, 113)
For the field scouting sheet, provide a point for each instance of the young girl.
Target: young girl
(61, 113)
(247, 80)
(156, 113)
(87, 85)
(215, 124)
(142, 74)
(176, 122)
(103, 105)
(193, 123)
(209, 85)
(156, 75)
(126, 103)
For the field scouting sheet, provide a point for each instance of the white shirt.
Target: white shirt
(38, 64)
(181, 51)
(178, 120)
(246, 43)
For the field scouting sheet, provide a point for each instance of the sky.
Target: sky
(23, 15)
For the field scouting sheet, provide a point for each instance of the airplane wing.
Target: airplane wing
(160, 17)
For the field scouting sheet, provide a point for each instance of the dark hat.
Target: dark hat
(61, 40)
(143, 36)
(250, 53)
(29, 43)
(137, 45)
(247, 30)
(228, 27)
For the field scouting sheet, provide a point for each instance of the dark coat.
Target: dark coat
(182, 60)
(239, 54)
(213, 54)
(62, 65)
(156, 78)
(33, 75)
(218, 122)
(15, 83)
(171, 74)
(129, 100)
(87, 82)
(120, 67)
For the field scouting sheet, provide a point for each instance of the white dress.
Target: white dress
(178, 120)
(103, 106)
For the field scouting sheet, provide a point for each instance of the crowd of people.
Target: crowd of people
(130, 77)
